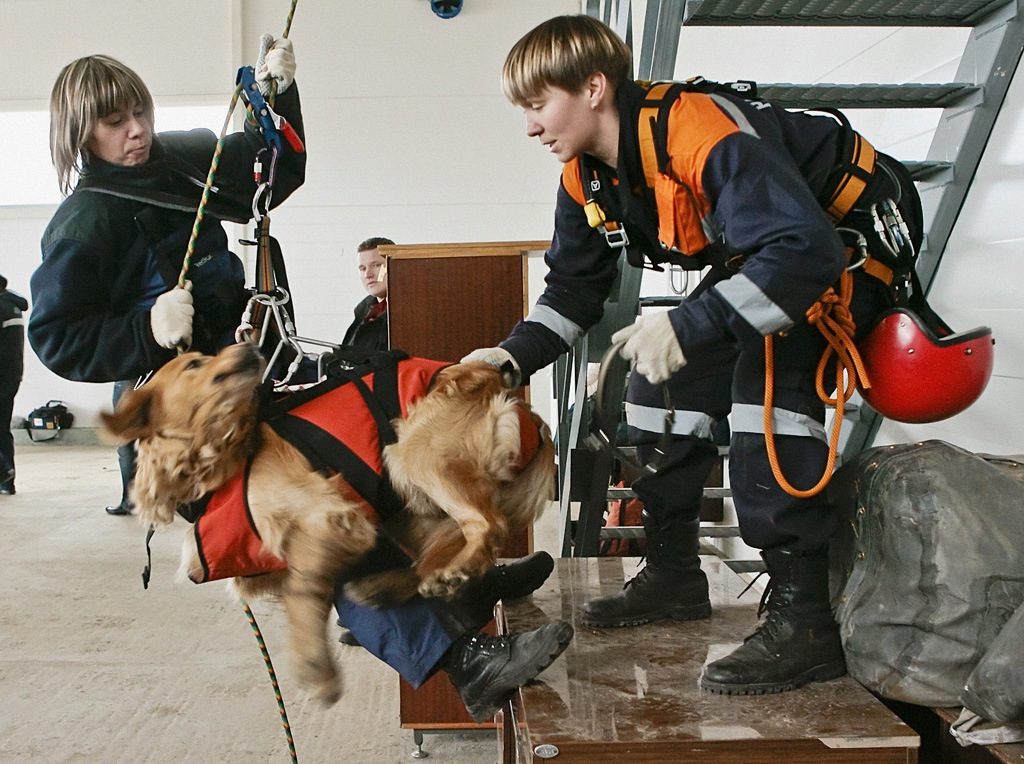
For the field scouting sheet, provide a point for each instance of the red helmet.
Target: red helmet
(919, 377)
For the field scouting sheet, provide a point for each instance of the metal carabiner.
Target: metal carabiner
(261, 201)
(858, 243)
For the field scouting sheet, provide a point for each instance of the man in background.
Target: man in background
(369, 330)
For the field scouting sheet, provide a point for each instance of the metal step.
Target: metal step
(869, 96)
(637, 532)
(746, 566)
(893, 13)
(630, 451)
(614, 494)
(928, 170)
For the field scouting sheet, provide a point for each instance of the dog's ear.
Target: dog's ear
(472, 379)
(133, 417)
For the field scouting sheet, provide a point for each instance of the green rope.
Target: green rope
(273, 681)
(206, 190)
(216, 161)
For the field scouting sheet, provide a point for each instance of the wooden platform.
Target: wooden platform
(632, 695)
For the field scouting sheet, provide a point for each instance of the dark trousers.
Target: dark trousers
(125, 453)
(12, 364)
(732, 380)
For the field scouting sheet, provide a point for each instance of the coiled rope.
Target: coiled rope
(831, 314)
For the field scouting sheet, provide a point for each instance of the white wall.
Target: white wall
(981, 282)
(409, 137)
(408, 133)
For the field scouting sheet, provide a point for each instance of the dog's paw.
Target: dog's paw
(388, 589)
(320, 679)
(444, 583)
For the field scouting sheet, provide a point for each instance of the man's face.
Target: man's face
(123, 137)
(564, 122)
(373, 273)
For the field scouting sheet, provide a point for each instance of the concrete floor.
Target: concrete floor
(93, 668)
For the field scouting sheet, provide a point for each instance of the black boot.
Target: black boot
(504, 582)
(671, 584)
(487, 670)
(797, 644)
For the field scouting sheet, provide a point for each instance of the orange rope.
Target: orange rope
(831, 314)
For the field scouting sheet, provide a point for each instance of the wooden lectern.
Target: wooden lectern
(444, 301)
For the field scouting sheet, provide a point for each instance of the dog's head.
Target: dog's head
(195, 421)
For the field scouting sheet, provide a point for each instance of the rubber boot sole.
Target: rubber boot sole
(821, 673)
(675, 612)
(557, 637)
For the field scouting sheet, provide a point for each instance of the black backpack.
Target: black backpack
(48, 421)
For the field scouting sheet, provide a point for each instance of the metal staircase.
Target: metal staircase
(969, 104)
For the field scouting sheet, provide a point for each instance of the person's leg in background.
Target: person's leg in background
(671, 584)
(125, 459)
(424, 636)
(798, 642)
(12, 349)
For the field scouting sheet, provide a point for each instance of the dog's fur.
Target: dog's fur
(196, 422)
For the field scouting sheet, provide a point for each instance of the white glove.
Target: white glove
(171, 317)
(503, 360)
(652, 346)
(278, 64)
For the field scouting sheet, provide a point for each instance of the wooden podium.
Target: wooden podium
(444, 301)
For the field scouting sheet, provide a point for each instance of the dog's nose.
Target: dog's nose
(249, 358)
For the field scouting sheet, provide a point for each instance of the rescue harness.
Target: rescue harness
(843, 188)
(341, 426)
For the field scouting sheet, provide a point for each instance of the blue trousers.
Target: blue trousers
(412, 637)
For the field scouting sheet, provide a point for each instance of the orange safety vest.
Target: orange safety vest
(673, 164)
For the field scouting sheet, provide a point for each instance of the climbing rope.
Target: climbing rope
(273, 681)
(201, 212)
(182, 276)
(831, 314)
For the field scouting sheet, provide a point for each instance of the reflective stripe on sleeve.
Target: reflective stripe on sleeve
(19, 321)
(753, 305)
(556, 322)
(734, 112)
(748, 417)
(650, 419)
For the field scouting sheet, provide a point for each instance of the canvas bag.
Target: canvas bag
(927, 571)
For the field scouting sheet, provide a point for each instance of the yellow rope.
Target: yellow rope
(206, 190)
(186, 263)
(216, 161)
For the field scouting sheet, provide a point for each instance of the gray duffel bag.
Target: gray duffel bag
(928, 576)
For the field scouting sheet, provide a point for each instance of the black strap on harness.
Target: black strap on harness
(324, 451)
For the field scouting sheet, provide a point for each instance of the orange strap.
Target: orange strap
(852, 185)
(831, 314)
(645, 132)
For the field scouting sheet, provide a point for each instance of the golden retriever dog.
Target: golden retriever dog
(197, 423)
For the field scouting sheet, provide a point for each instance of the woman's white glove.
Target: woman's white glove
(503, 360)
(171, 317)
(278, 64)
(652, 346)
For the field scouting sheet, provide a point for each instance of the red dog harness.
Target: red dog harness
(341, 426)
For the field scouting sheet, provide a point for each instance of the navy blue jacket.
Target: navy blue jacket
(757, 172)
(118, 241)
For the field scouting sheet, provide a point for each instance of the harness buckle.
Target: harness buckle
(616, 237)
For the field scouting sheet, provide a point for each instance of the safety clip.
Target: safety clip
(854, 240)
(892, 230)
